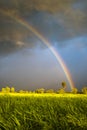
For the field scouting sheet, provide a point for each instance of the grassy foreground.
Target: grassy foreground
(43, 112)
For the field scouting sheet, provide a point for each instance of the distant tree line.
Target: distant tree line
(61, 90)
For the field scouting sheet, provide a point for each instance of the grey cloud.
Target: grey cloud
(7, 47)
(10, 46)
(14, 36)
(24, 6)
(56, 20)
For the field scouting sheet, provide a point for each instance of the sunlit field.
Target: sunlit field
(43, 111)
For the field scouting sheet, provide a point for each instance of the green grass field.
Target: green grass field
(43, 112)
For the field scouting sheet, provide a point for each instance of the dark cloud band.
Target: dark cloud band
(57, 20)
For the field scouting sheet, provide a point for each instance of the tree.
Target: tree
(50, 91)
(7, 89)
(84, 90)
(63, 85)
(21, 91)
(3, 90)
(26, 91)
(12, 89)
(40, 90)
(61, 91)
(74, 90)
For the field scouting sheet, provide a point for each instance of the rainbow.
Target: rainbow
(46, 42)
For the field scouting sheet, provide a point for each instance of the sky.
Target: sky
(25, 61)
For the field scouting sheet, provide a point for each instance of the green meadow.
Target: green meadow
(43, 112)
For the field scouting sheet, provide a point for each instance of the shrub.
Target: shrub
(40, 90)
(74, 90)
(84, 90)
(61, 91)
(50, 91)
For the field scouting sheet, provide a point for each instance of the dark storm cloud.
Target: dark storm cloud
(57, 20)
(14, 36)
(7, 47)
(25, 6)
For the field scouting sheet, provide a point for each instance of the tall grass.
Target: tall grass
(43, 112)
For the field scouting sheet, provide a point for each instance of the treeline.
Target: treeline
(62, 90)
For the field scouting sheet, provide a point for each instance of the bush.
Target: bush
(61, 91)
(84, 90)
(74, 90)
(40, 90)
(50, 91)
